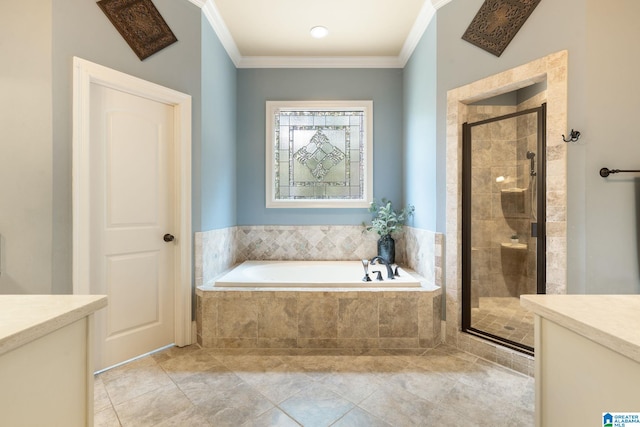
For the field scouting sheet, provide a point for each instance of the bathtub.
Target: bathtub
(314, 274)
(317, 305)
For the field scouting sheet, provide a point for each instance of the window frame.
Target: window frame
(272, 107)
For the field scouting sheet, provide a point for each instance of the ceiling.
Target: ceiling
(268, 33)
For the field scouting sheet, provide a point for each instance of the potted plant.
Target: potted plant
(386, 221)
(514, 239)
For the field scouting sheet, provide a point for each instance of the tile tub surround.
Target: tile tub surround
(424, 253)
(308, 318)
(218, 250)
(316, 242)
(214, 253)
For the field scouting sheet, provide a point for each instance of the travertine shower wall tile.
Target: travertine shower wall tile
(459, 110)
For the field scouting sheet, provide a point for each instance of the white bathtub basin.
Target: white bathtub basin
(313, 274)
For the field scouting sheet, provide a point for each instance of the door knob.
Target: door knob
(168, 237)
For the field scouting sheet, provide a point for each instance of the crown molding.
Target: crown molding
(319, 62)
(437, 4)
(199, 3)
(421, 23)
(427, 12)
(217, 23)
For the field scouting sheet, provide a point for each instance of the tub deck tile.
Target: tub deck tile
(318, 317)
(394, 325)
(357, 318)
(238, 318)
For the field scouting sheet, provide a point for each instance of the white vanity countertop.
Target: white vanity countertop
(24, 318)
(610, 320)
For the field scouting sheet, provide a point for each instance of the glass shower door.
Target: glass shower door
(503, 225)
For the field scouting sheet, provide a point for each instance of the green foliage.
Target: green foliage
(385, 220)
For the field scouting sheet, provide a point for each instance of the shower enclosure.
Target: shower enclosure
(503, 224)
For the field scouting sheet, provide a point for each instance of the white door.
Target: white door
(131, 186)
(132, 209)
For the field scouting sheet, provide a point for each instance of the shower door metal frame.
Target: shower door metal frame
(541, 196)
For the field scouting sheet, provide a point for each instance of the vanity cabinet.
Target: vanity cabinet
(46, 365)
(587, 357)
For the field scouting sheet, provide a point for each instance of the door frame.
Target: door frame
(84, 74)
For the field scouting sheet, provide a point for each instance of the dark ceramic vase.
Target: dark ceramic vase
(387, 249)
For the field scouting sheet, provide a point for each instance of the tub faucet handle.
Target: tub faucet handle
(365, 265)
(395, 267)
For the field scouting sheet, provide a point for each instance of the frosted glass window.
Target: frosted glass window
(319, 154)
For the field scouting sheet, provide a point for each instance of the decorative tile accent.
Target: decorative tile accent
(333, 242)
(218, 250)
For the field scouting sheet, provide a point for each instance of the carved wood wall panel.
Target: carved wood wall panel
(497, 23)
(140, 24)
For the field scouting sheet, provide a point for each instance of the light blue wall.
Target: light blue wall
(420, 148)
(603, 102)
(553, 26)
(602, 215)
(256, 86)
(214, 162)
(81, 29)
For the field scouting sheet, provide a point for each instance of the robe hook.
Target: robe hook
(573, 136)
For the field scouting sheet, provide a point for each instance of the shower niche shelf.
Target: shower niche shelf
(515, 246)
(514, 202)
(514, 190)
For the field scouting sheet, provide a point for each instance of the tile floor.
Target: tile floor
(505, 318)
(204, 387)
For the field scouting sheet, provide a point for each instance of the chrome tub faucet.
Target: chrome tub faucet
(379, 259)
